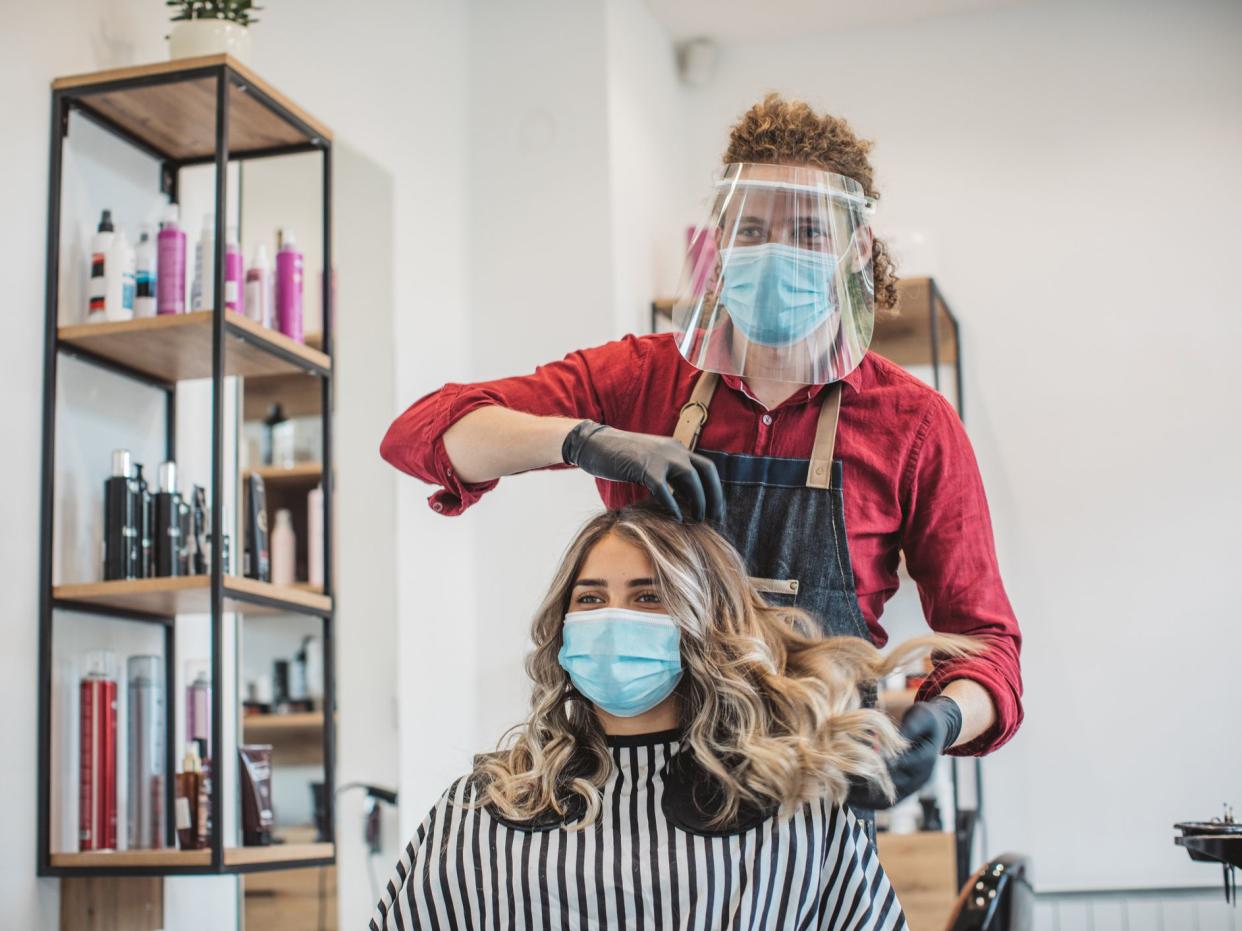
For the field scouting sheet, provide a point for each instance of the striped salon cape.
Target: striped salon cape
(464, 870)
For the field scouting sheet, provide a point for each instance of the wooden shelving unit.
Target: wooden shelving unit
(179, 346)
(270, 728)
(202, 111)
(191, 595)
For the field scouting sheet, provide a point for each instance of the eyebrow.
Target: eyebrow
(603, 583)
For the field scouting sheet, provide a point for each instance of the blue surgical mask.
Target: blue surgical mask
(777, 294)
(625, 662)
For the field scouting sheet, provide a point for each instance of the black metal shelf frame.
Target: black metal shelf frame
(77, 98)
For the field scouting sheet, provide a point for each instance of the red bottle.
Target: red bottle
(97, 753)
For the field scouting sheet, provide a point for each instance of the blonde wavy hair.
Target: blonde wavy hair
(771, 709)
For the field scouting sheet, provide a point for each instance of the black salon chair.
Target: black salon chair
(998, 897)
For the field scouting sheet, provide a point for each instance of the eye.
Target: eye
(651, 598)
(752, 231)
(808, 233)
(589, 598)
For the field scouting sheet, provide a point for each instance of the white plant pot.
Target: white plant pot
(191, 38)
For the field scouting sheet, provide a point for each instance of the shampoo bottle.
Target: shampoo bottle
(289, 288)
(233, 277)
(170, 265)
(144, 275)
(203, 292)
(146, 752)
(101, 253)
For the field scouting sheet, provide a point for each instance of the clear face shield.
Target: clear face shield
(778, 284)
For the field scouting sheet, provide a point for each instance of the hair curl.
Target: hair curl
(788, 132)
(770, 708)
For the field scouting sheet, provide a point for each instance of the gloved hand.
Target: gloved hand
(664, 466)
(931, 727)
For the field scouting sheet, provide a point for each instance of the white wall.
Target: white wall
(1075, 167)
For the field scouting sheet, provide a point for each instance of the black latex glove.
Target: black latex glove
(669, 470)
(931, 727)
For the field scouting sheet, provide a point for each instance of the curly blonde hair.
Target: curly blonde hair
(770, 708)
(788, 132)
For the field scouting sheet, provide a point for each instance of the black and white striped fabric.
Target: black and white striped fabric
(633, 869)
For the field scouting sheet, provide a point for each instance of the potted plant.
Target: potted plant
(210, 27)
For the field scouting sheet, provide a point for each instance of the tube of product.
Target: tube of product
(101, 255)
(233, 275)
(256, 790)
(258, 565)
(170, 264)
(97, 753)
(289, 287)
(167, 523)
(189, 785)
(122, 500)
(144, 275)
(146, 752)
(198, 704)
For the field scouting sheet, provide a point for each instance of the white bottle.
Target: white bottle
(119, 298)
(284, 549)
(260, 288)
(203, 291)
(101, 253)
(314, 537)
(144, 275)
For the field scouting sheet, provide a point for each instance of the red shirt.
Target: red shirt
(911, 480)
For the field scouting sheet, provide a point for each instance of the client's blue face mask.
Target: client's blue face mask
(777, 294)
(625, 662)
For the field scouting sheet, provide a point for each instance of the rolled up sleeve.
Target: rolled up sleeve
(951, 555)
(587, 384)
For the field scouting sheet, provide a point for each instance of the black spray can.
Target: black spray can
(146, 524)
(167, 523)
(122, 544)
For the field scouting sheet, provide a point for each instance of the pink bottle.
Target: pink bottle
(234, 278)
(170, 265)
(289, 288)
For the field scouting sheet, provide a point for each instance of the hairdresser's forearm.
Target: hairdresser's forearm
(978, 711)
(494, 441)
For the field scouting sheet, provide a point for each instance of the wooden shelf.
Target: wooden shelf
(132, 858)
(283, 854)
(170, 107)
(302, 473)
(178, 346)
(192, 595)
(273, 727)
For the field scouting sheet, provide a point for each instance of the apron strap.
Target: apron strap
(694, 412)
(819, 470)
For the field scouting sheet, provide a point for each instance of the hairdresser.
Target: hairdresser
(821, 462)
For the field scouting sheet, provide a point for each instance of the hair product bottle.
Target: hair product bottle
(167, 523)
(101, 253)
(170, 264)
(146, 752)
(234, 278)
(189, 798)
(144, 275)
(258, 565)
(198, 549)
(198, 703)
(122, 501)
(97, 753)
(185, 530)
(146, 524)
(119, 304)
(260, 288)
(289, 287)
(284, 549)
(203, 291)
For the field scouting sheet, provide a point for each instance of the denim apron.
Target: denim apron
(787, 519)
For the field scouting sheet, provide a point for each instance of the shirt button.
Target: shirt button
(437, 506)
(767, 420)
